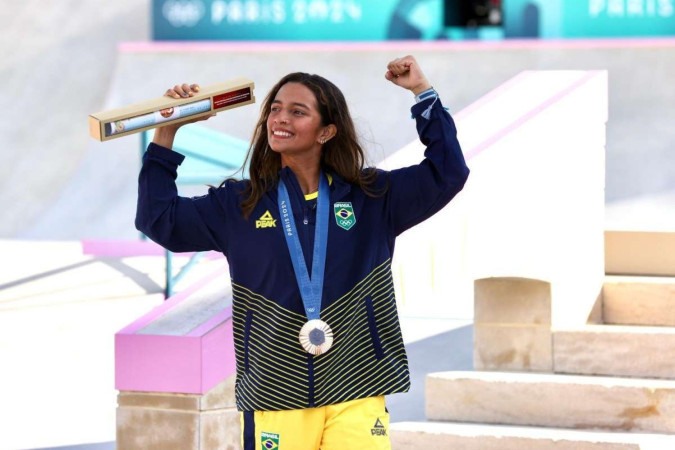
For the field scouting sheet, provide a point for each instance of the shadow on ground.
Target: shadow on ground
(99, 446)
(452, 350)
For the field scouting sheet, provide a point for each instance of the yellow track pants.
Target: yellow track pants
(361, 424)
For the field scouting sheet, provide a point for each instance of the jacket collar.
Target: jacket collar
(338, 187)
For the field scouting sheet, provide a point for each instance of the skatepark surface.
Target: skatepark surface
(59, 308)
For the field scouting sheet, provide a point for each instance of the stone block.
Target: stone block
(547, 400)
(220, 430)
(157, 429)
(613, 350)
(512, 319)
(512, 301)
(639, 300)
(640, 252)
(164, 421)
(513, 347)
(464, 436)
(219, 397)
(159, 400)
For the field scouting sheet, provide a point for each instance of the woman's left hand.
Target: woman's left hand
(405, 72)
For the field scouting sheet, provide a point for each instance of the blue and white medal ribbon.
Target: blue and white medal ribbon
(316, 337)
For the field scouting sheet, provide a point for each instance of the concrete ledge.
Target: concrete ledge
(160, 421)
(630, 351)
(512, 300)
(512, 328)
(512, 347)
(639, 300)
(640, 253)
(219, 397)
(548, 400)
(455, 436)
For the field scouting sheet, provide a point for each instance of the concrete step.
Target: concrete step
(549, 400)
(615, 350)
(640, 252)
(465, 436)
(639, 300)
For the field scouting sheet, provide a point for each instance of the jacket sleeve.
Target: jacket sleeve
(417, 192)
(179, 224)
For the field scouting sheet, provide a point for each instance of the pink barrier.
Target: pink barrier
(112, 248)
(405, 45)
(124, 248)
(191, 363)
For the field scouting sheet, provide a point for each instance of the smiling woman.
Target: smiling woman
(309, 239)
(298, 127)
(297, 132)
(294, 125)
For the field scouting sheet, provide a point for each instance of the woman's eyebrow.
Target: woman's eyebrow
(302, 105)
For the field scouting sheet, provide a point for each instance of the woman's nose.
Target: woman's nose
(280, 117)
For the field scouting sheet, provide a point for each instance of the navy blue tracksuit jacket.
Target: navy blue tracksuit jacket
(368, 357)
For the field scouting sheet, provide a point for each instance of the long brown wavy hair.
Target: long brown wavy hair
(342, 155)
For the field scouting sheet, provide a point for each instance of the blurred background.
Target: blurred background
(68, 59)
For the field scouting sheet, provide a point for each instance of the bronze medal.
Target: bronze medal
(316, 337)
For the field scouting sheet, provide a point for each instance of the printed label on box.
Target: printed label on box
(232, 98)
(157, 117)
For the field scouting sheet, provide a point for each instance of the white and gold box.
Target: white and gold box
(149, 114)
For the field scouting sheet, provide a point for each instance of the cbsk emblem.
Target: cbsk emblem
(344, 215)
(266, 221)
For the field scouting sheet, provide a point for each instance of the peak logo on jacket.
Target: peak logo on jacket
(266, 221)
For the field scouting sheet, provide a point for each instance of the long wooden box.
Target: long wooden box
(160, 111)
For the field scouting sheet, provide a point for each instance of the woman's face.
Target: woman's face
(294, 123)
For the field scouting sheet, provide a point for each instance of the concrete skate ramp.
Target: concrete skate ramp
(60, 184)
(56, 66)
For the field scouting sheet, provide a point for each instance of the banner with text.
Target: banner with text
(297, 20)
(588, 18)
